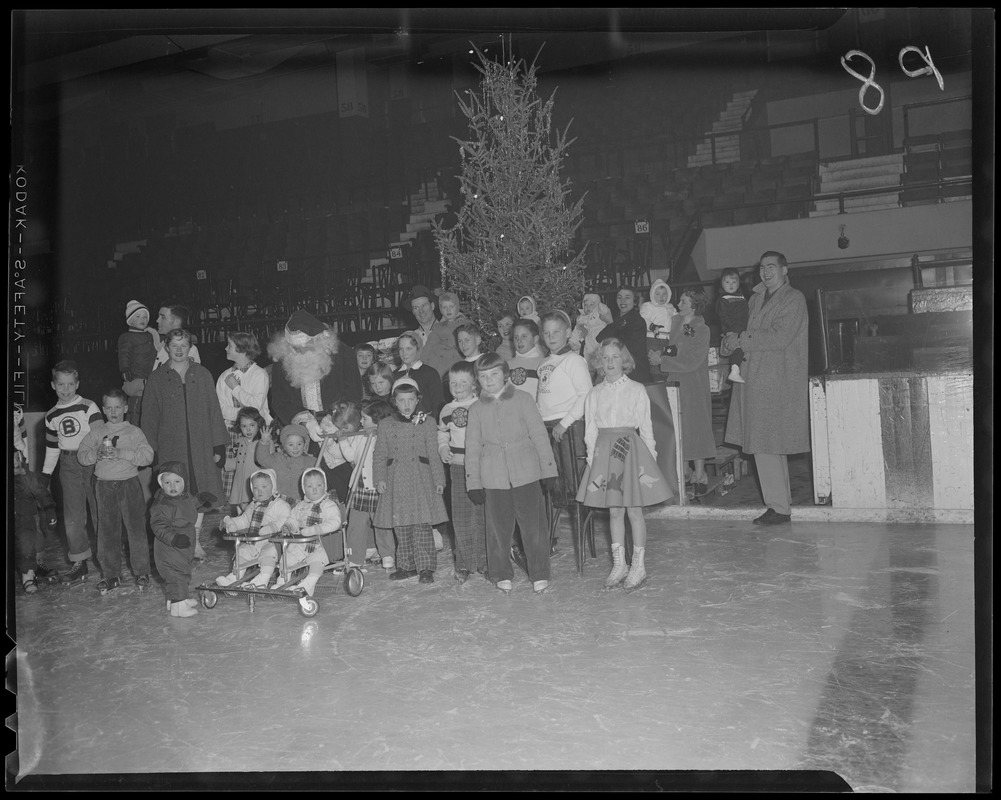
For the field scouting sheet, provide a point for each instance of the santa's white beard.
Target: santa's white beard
(303, 367)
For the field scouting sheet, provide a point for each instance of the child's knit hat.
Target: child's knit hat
(294, 430)
(405, 381)
(132, 307)
(174, 468)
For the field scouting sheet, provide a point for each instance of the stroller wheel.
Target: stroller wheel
(209, 599)
(354, 581)
(308, 607)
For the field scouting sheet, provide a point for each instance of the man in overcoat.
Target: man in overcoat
(769, 414)
(438, 348)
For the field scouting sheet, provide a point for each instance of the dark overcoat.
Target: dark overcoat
(182, 422)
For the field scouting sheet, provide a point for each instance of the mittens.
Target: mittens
(477, 496)
(219, 454)
(181, 541)
(206, 502)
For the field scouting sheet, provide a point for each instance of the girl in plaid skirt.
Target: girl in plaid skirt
(411, 480)
(365, 499)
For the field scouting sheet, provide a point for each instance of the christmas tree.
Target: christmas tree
(514, 231)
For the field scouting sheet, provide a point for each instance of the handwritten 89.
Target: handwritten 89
(869, 83)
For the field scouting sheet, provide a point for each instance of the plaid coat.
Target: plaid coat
(406, 459)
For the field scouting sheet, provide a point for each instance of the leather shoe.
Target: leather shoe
(427, 576)
(772, 517)
(461, 575)
(403, 574)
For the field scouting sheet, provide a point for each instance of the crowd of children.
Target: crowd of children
(552, 412)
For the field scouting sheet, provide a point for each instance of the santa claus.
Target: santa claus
(312, 371)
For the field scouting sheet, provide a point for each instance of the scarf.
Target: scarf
(257, 515)
(315, 516)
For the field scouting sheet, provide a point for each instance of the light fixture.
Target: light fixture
(843, 240)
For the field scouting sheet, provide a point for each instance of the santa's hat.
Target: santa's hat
(132, 307)
(303, 326)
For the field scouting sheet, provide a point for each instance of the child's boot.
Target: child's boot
(263, 577)
(182, 609)
(309, 583)
(637, 572)
(227, 580)
(619, 568)
(734, 375)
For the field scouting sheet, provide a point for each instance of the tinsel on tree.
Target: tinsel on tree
(514, 232)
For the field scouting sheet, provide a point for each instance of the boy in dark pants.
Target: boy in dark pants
(117, 449)
(507, 456)
(30, 496)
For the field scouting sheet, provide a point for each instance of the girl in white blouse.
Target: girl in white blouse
(622, 473)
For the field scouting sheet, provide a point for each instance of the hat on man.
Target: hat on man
(303, 326)
(132, 307)
(421, 291)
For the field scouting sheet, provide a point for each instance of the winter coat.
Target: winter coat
(658, 316)
(137, 353)
(631, 329)
(406, 459)
(245, 466)
(690, 368)
(168, 517)
(439, 351)
(770, 412)
(288, 471)
(506, 442)
(182, 422)
(732, 312)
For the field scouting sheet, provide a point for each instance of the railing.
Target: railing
(910, 107)
(803, 204)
